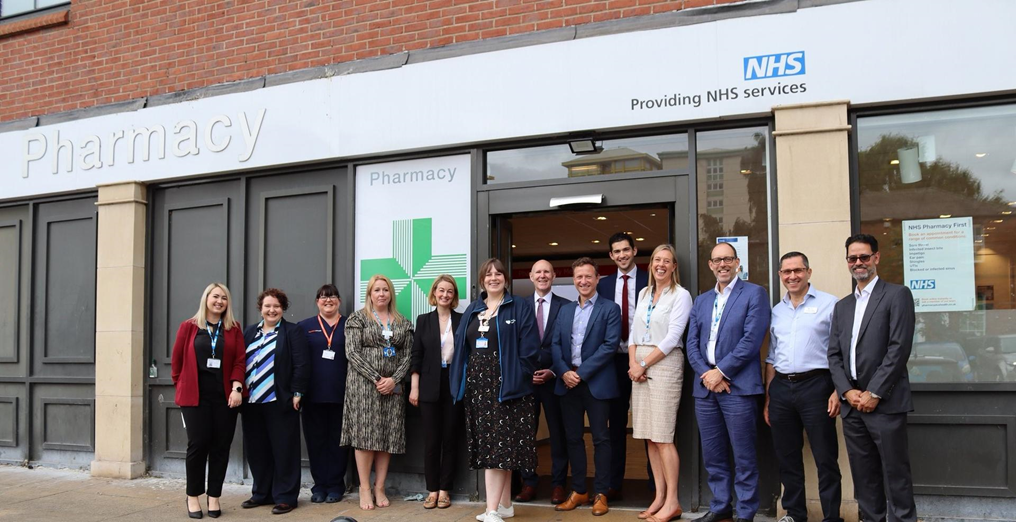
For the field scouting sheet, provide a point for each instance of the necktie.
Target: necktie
(624, 310)
(539, 317)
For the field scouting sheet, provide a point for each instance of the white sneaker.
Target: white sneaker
(787, 518)
(502, 512)
(492, 516)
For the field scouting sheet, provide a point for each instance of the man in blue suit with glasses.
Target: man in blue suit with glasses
(725, 333)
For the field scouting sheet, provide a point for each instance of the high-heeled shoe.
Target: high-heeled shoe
(192, 514)
(214, 513)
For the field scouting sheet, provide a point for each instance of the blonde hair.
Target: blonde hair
(443, 278)
(675, 279)
(228, 321)
(369, 305)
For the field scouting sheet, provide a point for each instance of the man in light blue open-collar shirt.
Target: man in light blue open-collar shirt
(800, 396)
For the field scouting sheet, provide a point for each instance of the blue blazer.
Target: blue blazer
(607, 285)
(603, 334)
(518, 344)
(546, 356)
(742, 329)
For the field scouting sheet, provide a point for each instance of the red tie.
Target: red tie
(624, 309)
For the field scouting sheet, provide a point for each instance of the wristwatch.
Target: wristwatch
(642, 363)
(297, 395)
(875, 396)
(238, 389)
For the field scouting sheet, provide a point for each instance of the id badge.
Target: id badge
(387, 334)
(646, 337)
(214, 363)
(484, 328)
(388, 352)
(444, 364)
(328, 354)
(811, 310)
(481, 342)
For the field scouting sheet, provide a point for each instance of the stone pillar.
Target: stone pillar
(119, 332)
(813, 193)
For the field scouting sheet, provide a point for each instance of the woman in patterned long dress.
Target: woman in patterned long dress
(379, 344)
(495, 357)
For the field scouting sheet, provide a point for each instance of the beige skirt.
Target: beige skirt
(654, 402)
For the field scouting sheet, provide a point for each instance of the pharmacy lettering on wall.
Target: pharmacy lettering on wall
(938, 263)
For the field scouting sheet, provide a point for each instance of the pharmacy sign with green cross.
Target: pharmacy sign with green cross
(413, 266)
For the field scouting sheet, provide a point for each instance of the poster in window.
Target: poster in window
(938, 264)
(740, 244)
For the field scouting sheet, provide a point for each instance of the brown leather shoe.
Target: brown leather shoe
(600, 505)
(574, 500)
(527, 494)
(557, 496)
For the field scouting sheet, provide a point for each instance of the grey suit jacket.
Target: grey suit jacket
(883, 347)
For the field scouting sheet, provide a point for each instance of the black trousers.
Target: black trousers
(551, 405)
(619, 427)
(271, 437)
(796, 408)
(879, 453)
(442, 423)
(322, 430)
(576, 404)
(210, 426)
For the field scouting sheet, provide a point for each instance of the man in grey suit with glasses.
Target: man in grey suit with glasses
(872, 336)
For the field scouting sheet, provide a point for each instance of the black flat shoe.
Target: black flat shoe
(282, 509)
(331, 499)
(192, 514)
(317, 498)
(251, 503)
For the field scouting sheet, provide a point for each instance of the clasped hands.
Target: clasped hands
(385, 385)
(863, 402)
(714, 381)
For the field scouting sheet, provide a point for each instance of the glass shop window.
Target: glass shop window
(938, 191)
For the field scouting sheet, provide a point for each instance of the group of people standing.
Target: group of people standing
(506, 358)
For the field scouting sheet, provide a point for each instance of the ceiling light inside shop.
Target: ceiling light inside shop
(553, 243)
(1006, 213)
(595, 241)
(985, 235)
(513, 246)
(943, 216)
(654, 213)
(601, 218)
(894, 162)
(640, 239)
(981, 154)
(989, 228)
(996, 221)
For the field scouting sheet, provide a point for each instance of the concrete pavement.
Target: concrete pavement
(29, 495)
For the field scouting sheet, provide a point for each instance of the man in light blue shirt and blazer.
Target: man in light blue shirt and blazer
(585, 339)
(725, 332)
(800, 395)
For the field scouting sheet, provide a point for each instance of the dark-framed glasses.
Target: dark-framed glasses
(864, 258)
(726, 260)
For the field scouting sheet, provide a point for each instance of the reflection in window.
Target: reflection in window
(732, 175)
(938, 190)
(645, 154)
(16, 7)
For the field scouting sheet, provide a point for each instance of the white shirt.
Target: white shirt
(667, 322)
(632, 300)
(546, 307)
(718, 305)
(862, 297)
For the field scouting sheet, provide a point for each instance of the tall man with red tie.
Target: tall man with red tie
(622, 288)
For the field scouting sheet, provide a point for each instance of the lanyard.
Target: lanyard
(261, 347)
(388, 326)
(214, 334)
(718, 312)
(487, 314)
(447, 329)
(324, 331)
(649, 311)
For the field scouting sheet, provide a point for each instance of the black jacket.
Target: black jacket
(546, 357)
(292, 371)
(427, 353)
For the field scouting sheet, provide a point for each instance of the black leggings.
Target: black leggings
(210, 427)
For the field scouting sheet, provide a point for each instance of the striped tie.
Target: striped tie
(260, 375)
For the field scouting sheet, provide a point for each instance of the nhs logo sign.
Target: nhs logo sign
(922, 284)
(774, 65)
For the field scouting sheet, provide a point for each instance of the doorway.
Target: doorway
(526, 224)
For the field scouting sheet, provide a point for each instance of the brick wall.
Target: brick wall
(116, 50)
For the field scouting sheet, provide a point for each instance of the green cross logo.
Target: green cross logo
(413, 266)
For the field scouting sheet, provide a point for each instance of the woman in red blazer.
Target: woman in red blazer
(208, 371)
